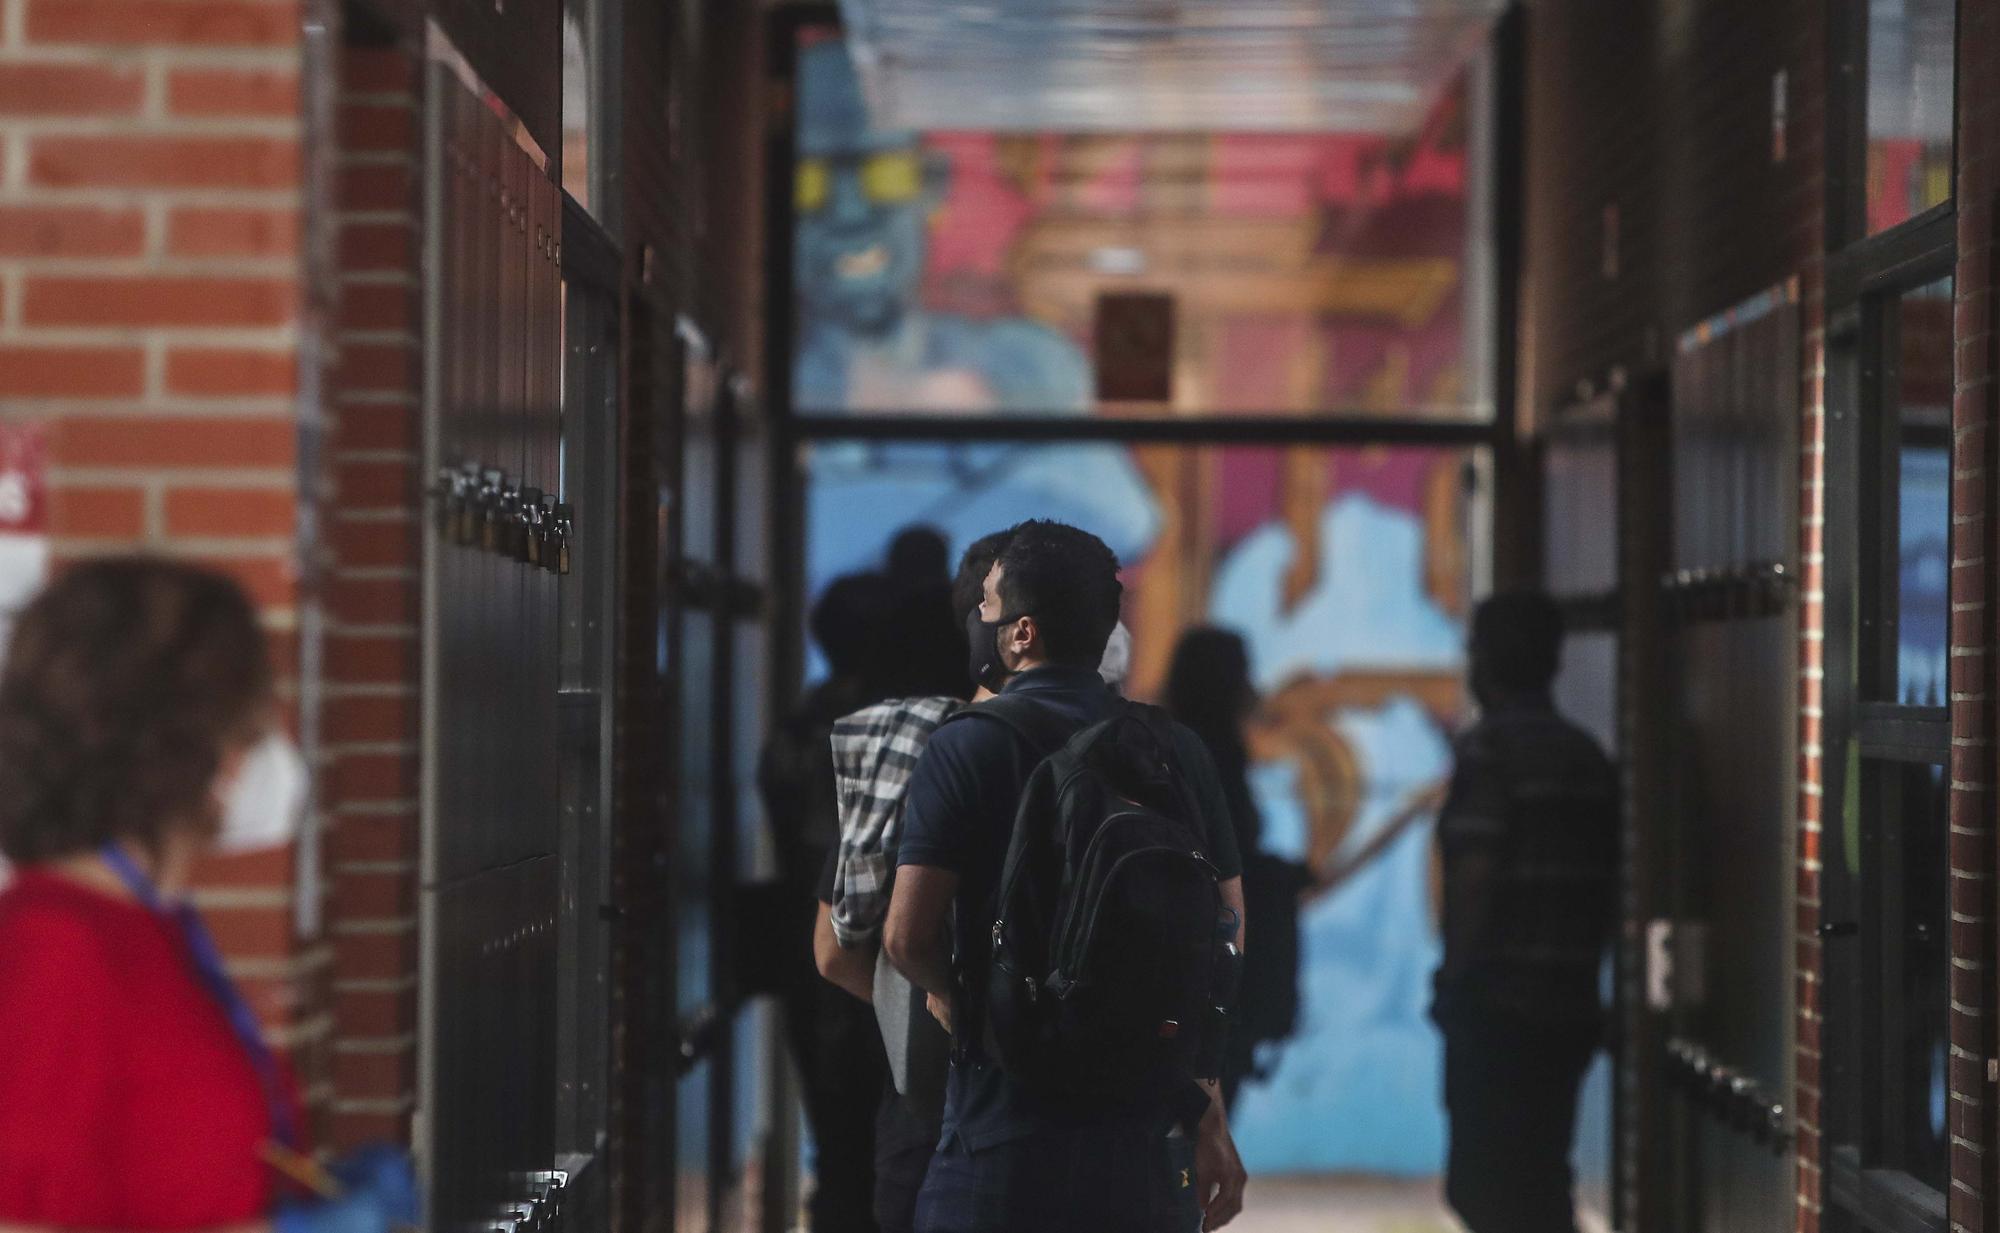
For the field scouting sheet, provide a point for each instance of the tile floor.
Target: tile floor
(1354, 1205)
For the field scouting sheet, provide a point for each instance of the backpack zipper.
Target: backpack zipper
(1076, 942)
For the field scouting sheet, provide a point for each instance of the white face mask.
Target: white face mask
(262, 808)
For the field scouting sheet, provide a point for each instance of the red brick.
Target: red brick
(368, 306)
(351, 1130)
(376, 486)
(361, 777)
(376, 188)
(70, 90)
(76, 161)
(277, 1000)
(373, 956)
(161, 441)
(106, 302)
(225, 232)
(71, 372)
(377, 366)
(373, 545)
(377, 248)
(374, 837)
(372, 1013)
(70, 231)
(232, 92)
(97, 513)
(371, 659)
(370, 718)
(204, 23)
(263, 932)
(371, 601)
(231, 513)
(373, 1076)
(368, 70)
(375, 896)
(374, 427)
(265, 868)
(378, 128)
(213, 372)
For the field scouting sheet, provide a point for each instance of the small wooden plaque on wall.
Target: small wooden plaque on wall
(1134, 341)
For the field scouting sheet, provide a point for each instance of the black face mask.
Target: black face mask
(988, 669)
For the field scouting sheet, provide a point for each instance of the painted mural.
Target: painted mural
(956, 274)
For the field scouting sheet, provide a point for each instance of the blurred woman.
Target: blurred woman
(137, 734)
(1209, 690)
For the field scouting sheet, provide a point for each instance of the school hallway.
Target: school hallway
(544, 370)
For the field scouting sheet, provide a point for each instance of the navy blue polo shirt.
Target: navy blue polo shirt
(959, 815)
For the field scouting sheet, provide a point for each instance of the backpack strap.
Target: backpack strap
(1042, 729)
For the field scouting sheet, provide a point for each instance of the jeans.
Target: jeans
(1127, 1178)
(1510, 1092)
(842, 1070)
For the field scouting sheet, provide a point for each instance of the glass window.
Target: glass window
(952, 272)
(1888, 974)
(1922, 388)
(1910, 107)
(1345, 572)
(576, 105)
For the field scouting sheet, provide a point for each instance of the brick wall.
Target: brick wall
(1972, 1114)
(369, 775)
(150, 318)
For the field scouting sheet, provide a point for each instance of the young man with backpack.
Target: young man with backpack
(1069, 895)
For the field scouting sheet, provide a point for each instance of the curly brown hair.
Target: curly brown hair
(127, 681)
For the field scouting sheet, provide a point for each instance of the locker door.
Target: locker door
(1730, 764)
(491, 817)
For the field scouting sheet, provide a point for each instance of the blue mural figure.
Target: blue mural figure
(1364, 1046)
(864, 198)
(866, 343)
(1923, 603)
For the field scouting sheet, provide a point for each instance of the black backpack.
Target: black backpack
(1110, 961)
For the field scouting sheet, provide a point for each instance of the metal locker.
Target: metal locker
(1729, 761)
(492, 809)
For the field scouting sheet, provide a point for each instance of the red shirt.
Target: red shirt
(126, 1101)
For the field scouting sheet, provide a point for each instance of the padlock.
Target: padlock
(545, 538)
(531, 527)
(565, 534)
(470, 495)
(494, 494)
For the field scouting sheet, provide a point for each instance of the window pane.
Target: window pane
(955, 272)
(1910, 68)
(1923, 503)
(1345, 572)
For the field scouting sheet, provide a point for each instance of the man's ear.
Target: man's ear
(1025, 636)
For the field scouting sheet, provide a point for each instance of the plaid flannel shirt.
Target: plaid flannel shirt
(875, 750)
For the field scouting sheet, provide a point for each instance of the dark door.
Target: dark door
(1730, 706)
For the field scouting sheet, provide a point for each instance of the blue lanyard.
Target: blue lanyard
(207, 961)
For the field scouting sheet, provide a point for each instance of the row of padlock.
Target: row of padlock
(1736, 593)
(1735, 1098)
(540, 1212)
(481, 507)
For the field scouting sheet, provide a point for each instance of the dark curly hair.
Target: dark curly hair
(127, 681)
